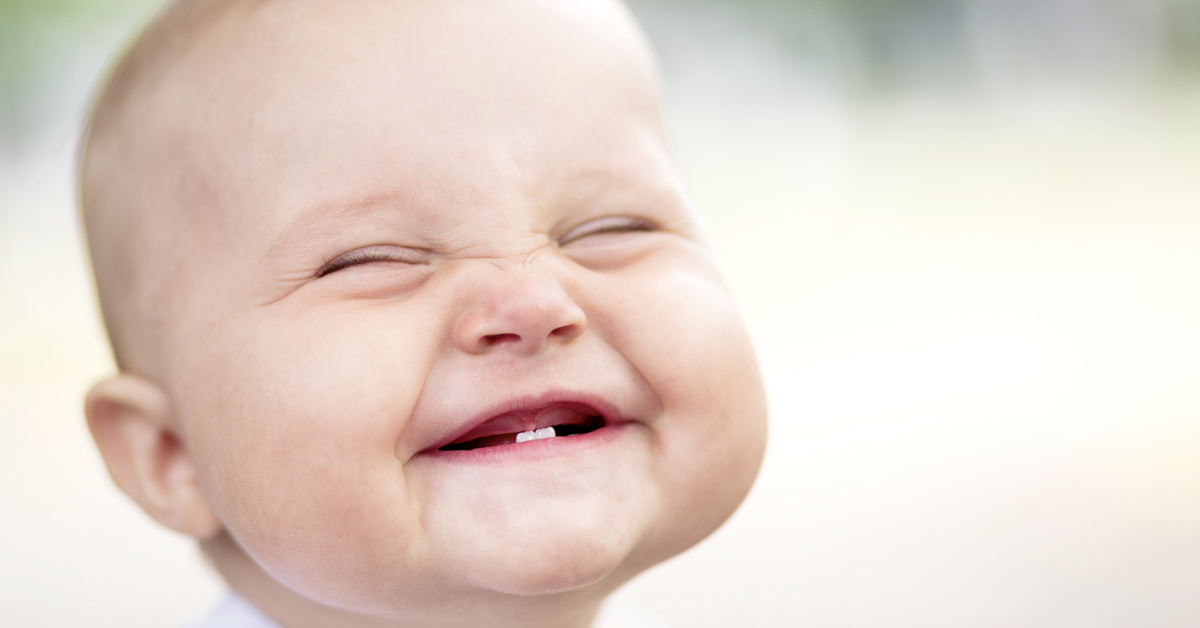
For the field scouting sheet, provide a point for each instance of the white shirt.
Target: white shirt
(234, 612)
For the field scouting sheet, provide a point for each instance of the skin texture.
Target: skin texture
(329, 237)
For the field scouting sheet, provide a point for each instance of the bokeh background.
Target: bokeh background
(966, 237)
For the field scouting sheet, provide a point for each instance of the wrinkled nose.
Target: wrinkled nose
(524, 316)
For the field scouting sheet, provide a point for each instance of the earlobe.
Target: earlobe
(130, 419)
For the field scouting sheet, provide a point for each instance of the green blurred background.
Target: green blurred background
(866, 47)
(966, 238)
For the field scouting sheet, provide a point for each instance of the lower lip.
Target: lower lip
(533, 450)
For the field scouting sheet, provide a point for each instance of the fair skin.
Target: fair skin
(397, 227)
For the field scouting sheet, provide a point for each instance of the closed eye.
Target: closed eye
(610, 224)
(370, 255)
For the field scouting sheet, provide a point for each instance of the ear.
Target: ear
(130, 419)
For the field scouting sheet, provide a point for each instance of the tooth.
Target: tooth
(545, 432)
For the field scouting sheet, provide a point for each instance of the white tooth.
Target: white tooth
(545, 432)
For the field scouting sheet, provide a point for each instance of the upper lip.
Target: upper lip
(530, 403)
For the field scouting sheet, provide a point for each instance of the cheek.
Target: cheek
(298, 438)
(689, 342)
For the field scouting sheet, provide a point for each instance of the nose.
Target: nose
(524, 315)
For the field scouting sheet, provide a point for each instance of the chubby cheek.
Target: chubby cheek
(296, 446)
(690, 344)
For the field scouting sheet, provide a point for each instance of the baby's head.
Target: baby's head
(359, 260)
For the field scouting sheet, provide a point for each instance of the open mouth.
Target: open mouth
(555, 421)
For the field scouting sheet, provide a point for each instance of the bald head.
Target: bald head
(220, 106)
(129, 190)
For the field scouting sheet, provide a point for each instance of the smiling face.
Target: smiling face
(412, 235)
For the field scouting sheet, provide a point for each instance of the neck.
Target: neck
(289, 609)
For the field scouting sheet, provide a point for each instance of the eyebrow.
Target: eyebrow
(319, 222)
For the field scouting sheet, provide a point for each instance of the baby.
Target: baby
(415, 324)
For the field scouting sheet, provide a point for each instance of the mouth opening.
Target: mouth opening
(579, 424)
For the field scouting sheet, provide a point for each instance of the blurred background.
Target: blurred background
(966, 238)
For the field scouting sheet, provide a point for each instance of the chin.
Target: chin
(551, 547)
(549, 570)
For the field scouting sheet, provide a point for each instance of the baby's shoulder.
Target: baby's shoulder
(618, 612)
(234, 612)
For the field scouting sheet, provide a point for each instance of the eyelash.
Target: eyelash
(361, 256)
(623, 224)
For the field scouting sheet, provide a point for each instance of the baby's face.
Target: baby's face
(414, 238)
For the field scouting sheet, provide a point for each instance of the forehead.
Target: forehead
(312, 103)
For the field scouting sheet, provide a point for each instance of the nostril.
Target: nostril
(496, 339)
(567, 331)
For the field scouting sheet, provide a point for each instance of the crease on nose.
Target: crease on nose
(524, 317)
